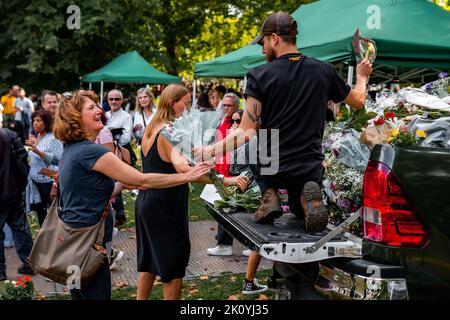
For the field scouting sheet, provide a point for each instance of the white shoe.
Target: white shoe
(115, 231)
(116, 257)
(220, 250)
(246, 252)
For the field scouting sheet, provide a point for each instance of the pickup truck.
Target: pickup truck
(405, 249)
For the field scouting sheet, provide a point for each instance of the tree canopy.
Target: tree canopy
(41, 49)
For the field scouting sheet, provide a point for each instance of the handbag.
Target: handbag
(122, 153)
(61, 252)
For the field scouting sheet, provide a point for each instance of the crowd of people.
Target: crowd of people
(75, 142)
(78, 148)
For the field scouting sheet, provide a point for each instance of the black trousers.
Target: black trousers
(294, 185)
(13, 213)
(42, 207)
(98, 289)
(118, 206)
(223, 238)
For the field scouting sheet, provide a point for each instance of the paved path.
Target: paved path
(202, 237)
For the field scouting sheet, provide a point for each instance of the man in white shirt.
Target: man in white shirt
(119, 118)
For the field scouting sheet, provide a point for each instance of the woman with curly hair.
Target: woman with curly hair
(87, 174)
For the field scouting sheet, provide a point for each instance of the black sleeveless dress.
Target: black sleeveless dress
(162, 229)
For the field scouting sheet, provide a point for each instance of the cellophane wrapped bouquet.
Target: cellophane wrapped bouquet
(193, 129)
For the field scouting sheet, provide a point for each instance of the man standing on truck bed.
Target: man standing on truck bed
(287, 98)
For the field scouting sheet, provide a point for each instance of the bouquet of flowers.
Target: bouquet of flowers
(364, 48)
(249, 200)
(21, 289)
(193, 129)
(196, 128)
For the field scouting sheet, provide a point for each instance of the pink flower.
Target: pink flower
(404, 129)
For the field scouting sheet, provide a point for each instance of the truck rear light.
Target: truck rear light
(388, 216)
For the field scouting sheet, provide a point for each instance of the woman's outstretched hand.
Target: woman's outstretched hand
(198, 171)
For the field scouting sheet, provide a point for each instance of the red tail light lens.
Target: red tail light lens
(389, 217)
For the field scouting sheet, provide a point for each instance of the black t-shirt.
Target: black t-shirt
(294, 90)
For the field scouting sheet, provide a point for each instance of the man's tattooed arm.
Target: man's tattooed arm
(255, 115)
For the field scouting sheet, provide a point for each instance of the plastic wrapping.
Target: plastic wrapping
(193, 129)
(420, 98)
(438, 131)
(364, 48)
(352, 152)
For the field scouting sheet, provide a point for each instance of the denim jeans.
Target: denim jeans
(14, 214)
(9, 242)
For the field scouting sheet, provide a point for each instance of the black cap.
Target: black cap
(280, 23)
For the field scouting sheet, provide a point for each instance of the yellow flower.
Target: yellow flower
(390, 139)
(395, 132)
(421, 133)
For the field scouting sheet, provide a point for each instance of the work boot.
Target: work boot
(316, 214)
(25, 268)
(270, 207)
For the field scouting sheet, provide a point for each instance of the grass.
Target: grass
(197, 210)
(225, 287)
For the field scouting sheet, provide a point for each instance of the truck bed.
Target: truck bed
(286, 240)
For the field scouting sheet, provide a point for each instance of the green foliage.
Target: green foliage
(402, 137)
(355, 119)
(39, 51)
(22, 289)
(249, 200)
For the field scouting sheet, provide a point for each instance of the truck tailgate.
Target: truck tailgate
(286, 240)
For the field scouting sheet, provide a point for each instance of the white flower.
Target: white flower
(13, 283)
(7, 281)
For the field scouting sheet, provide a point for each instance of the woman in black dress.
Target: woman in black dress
(163, 245)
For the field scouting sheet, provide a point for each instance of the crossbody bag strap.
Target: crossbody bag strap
(143, 119)
(98, 243)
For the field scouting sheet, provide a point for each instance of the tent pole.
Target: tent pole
(101, 94)
(90, 85)
(194, 93)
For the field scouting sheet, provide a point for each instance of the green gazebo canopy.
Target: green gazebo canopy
(410, 34)
(130, 67)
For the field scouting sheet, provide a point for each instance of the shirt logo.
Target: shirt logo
(295, 58)
(60, 239)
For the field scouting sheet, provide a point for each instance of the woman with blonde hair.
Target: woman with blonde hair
(87, 173)
(163, 245)
(144, 112)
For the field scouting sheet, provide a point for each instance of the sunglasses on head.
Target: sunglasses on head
(114, 99)
(67, 95)
(238, 121)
